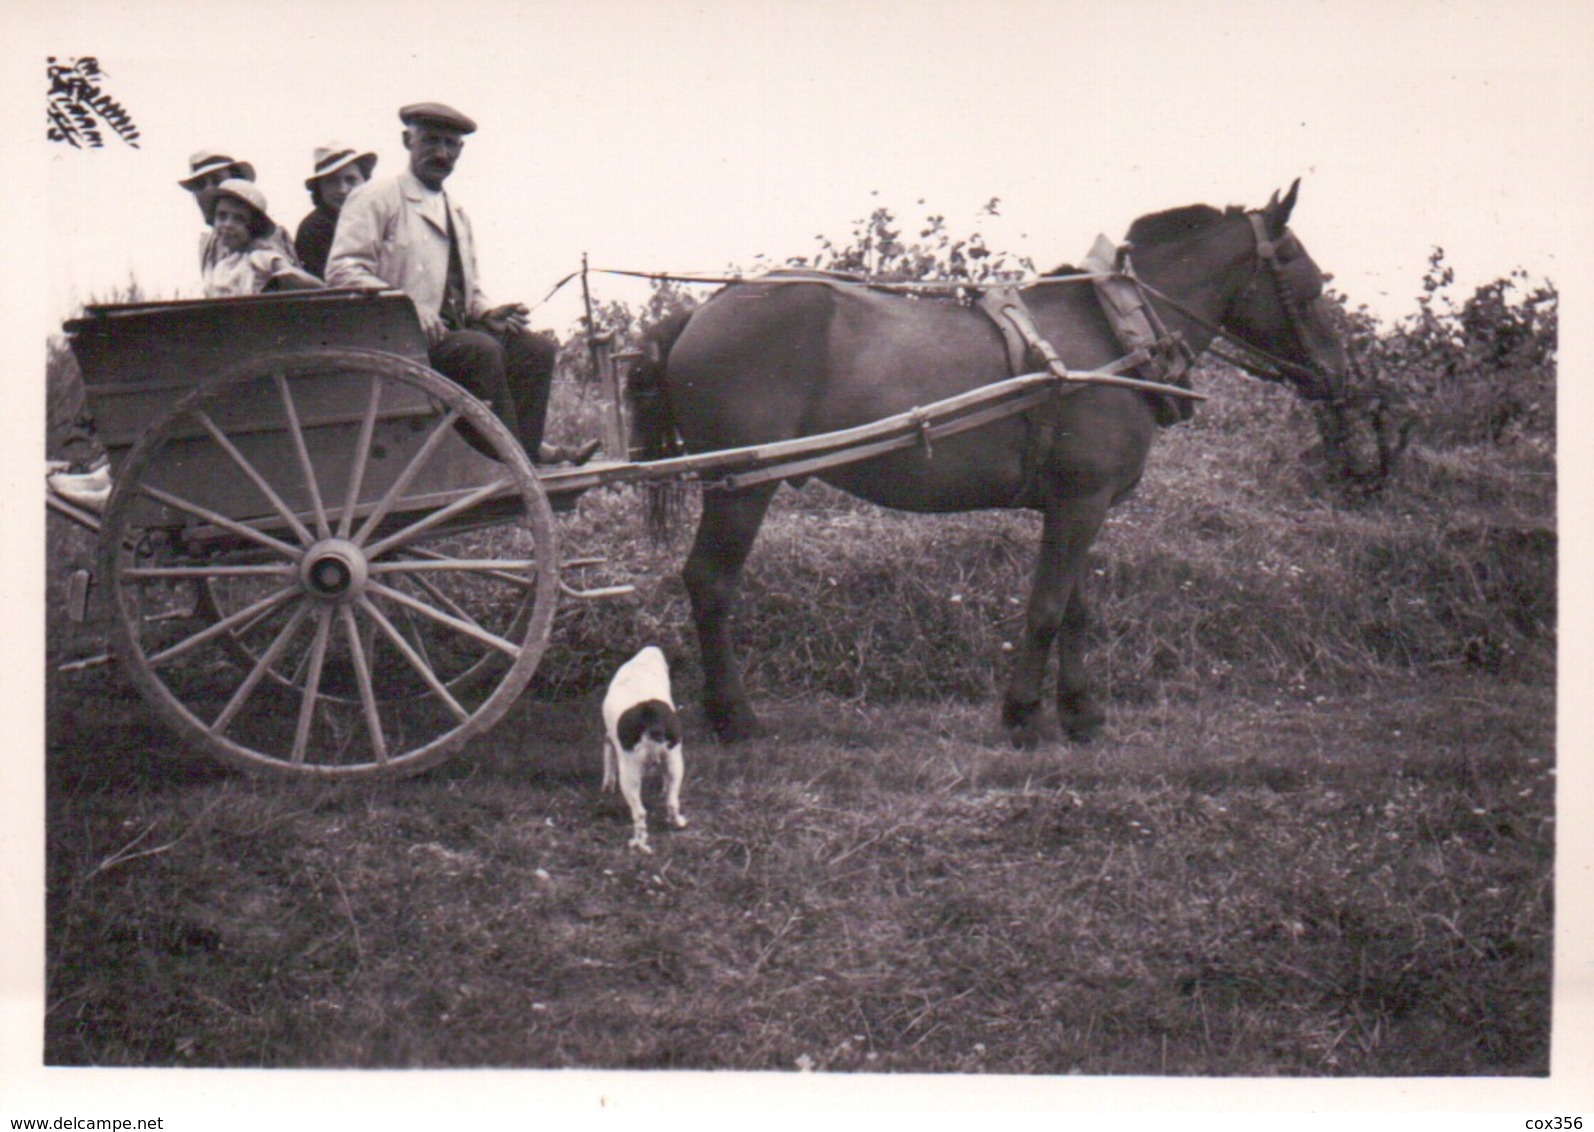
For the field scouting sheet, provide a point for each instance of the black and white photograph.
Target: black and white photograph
(787, 557)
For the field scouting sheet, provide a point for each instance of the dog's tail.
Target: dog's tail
(653, 421)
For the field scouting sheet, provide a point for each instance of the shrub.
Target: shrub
(1481, 371)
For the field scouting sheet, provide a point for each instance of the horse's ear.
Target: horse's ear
(1278, 211)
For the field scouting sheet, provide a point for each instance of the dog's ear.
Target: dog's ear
(651, 718)
(629, 727)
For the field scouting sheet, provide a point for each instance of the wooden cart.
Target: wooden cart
(321, 557)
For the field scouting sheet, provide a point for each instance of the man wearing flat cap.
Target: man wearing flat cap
(405, 232)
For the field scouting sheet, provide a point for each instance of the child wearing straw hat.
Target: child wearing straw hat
(208, 168)
(246, 260)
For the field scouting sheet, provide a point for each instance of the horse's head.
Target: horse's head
(1282, 310)
(1245, 276)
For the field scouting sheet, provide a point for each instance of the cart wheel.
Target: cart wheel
(370, 592)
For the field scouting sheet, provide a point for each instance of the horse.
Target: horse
(784, 356)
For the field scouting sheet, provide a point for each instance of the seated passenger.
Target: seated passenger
(206, 170)
(245, 259)
(339, 170)
(406, 233)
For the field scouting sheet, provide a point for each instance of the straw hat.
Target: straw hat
(260, 224)
(207, 161)
(333, 156)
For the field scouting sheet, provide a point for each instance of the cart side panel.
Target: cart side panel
(139, 360)
(330, 409)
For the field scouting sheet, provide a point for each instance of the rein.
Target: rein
(812, 275)
(1255, 360)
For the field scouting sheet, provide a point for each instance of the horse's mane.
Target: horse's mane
(1163, 228)
(1175, 223)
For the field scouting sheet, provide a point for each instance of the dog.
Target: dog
(641, 730)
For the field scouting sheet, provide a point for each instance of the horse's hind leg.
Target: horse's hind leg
(725, 535)
(1070, 526)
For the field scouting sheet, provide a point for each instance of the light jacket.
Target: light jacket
(393, 233)
(250, 270)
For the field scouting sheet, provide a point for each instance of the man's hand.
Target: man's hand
(509, 316)
(432, 326)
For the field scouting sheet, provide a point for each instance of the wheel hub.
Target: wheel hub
(334, 570)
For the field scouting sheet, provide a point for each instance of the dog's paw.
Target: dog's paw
(639, 842)
(678, 821)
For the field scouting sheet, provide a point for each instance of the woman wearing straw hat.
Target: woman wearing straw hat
(339, 170)
(208, 168)
(247, 260)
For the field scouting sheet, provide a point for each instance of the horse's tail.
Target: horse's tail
(653, 421)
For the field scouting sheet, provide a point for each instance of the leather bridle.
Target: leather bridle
(1261, 363)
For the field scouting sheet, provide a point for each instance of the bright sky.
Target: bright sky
(689, 137)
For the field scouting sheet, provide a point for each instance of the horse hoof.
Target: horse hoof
(1025, 738)
(1081, 722)
(1023, 724)
(736, 726)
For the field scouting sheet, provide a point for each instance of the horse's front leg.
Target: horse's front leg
(725, 535)
(1078, 713)
(1070, 526)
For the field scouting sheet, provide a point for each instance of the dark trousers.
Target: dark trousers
(512, 372)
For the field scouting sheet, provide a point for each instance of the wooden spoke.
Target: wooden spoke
(239, 630)
(312, 685)
(248, 469)
(262, 666)
(302, 454)
(249, 614)
(271, 570)
(442, 598)
(491, 567)
(421, 667)
(468, 628)
(417, 640)
(444, 429)
(362, 454)
(362, 677)
(216, 518)
(441, 515)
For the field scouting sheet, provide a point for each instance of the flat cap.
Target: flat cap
(436, 114)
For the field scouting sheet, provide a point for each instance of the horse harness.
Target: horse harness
(1156, 362)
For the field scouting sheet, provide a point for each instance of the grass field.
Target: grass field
(1317, 837)
(1356, 887)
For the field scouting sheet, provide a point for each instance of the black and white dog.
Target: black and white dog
(641, 730)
